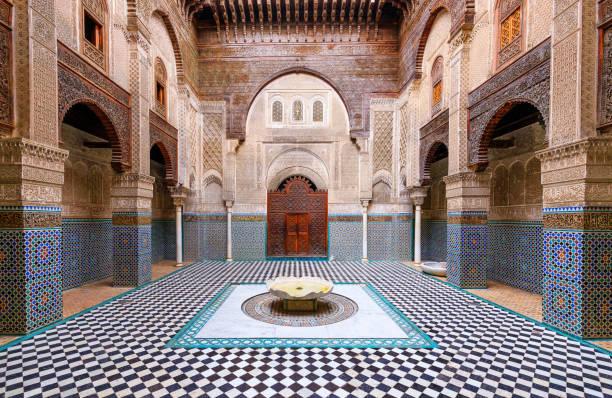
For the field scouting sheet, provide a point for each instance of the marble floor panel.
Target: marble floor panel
(120, 348)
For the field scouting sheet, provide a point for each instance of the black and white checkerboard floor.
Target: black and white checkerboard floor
(118, 349)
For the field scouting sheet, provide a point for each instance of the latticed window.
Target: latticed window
(161, 81)
(510, 27)
(437, 74)
(277, 112)
(93, 31)
(298, 111)
(317, 111)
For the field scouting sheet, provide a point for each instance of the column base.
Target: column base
(467, 235)
(30, 268)
(132, 249)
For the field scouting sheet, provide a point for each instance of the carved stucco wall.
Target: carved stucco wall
(269, 152)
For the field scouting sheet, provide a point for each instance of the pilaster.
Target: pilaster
(577, 194)
(467, 241)
(131, 201)
(31, 178)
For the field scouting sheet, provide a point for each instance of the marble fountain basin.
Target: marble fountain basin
(299, 294)
(434, 268)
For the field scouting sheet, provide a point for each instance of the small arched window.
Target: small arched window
(298, 111)
(93, 38)
(437, 75)
(317, 111)
(510, 26)
(161, 82)
(277, 112)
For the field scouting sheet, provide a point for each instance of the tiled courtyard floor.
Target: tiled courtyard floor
(119, 349)
(524, 302)
(86, 296)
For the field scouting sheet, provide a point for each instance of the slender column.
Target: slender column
(179, 195)
(229, 230)
(179, 235)
(418, 195)
(364, 215)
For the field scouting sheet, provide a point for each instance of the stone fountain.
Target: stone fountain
(299, 294)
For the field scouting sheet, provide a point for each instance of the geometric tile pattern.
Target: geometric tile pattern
(87, 251)
(205, 236)
(467, 255)
(163, 240)
(345, 238)
(119, 348)
(578, 281)
(390, 239)
(249, 238)
(515, 254)
(30, 274)
(433, 242)
(131, 254)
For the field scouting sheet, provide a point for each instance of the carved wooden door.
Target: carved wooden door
(297, 239)
(297, 220)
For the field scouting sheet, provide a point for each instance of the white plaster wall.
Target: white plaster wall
(161, 46)
(437, 45)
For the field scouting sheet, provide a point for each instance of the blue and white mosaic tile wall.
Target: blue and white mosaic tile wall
(87, 246)
(131, 249)
(345, 236)
(390, 237)
(30, 268)
(205, 236)
(515, 254)
(163, 238)
(249, 236)
(578, 270)
(467, 237)
(433, 240)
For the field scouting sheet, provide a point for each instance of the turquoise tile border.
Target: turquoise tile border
(185, 338)
(539, 323)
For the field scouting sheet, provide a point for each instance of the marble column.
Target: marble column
(131, 196)
(364, 234)
(467, 231)
(179, 196)
(417, 195)
(229, 205)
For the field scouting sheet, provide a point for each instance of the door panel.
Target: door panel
(297, 239)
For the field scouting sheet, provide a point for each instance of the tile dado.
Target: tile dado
(30, 268)
(87, 251)
(467, 242)
(578, 270)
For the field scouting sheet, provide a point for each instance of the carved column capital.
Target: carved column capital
(418, 194)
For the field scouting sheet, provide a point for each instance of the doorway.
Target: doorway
(297, 219)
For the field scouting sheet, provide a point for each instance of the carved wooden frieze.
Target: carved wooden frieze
(605, 65)
(79, 82)
(165, 134)
(526, 80)
(6, 98)
(432, 134)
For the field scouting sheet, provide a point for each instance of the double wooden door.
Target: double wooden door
(297, 239)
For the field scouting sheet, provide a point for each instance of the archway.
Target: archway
(434, 207)
(163, 230)
(87, 234)
(297, 219)
(513, 136)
